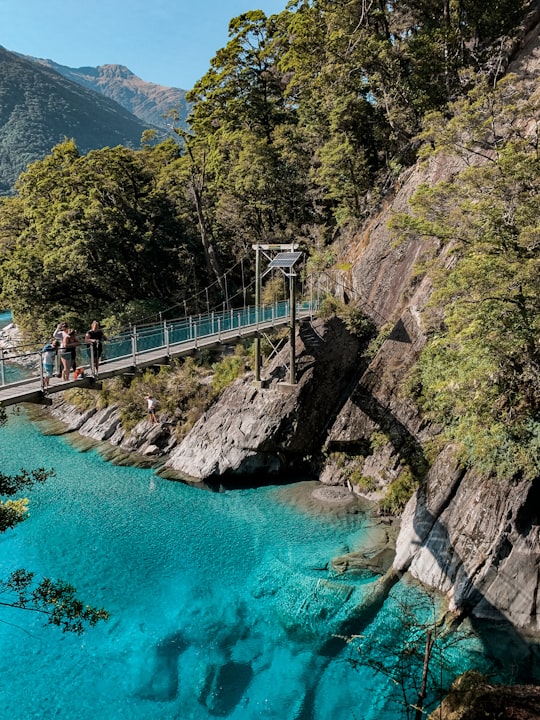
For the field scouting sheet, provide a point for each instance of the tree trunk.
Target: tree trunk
(422, 693)
(197, 187)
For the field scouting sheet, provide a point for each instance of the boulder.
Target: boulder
(269, 428)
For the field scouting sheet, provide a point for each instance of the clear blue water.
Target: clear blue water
(11, 372)
(5, 318)
(220, 604)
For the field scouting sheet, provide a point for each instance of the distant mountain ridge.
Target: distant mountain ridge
(146, 100)
(42, 103)
(39, 108)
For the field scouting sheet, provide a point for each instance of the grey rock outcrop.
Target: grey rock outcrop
(477, 539)
(266, 430)
(103, 426)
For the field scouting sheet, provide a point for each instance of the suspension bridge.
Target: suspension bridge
(143, 346)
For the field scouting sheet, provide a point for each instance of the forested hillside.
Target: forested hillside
(479, 375)
(39, 108)
(302, 123)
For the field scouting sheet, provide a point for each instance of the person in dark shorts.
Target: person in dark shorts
(67, 348)
(94, 345)
(152, 407)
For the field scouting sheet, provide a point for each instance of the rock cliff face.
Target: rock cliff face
(473, 538)
(270, 430)
(476, 539)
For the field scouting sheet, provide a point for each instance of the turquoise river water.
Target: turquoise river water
(221, 604)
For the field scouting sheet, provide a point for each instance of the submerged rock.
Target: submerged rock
(224, 687)
(162, 683)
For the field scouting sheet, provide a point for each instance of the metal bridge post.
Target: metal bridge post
(134, 345)
(257, 304)
(2, 367)
(166, 336)
(41, 375)
(292, 289)
(90, 349)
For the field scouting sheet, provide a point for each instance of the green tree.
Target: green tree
(245, 128)
(479, 375)
(195, 188)
(88, 234)
(363, 75)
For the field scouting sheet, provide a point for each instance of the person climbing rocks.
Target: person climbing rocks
(152, 407)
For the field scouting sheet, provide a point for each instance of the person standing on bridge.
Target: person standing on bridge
(74, 341)
(48, 356)
(58, 334)
(94, 345)
(69, 344)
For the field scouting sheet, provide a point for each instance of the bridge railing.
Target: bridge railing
(144, 338)
(18, 366)
(21, 365)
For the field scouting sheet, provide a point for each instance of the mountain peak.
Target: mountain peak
(146, 100)
(41, 107)
(114, 70)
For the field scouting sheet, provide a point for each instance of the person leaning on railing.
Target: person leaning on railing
(94, 345)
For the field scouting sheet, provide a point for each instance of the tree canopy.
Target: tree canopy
(88, 234)
(297, 129)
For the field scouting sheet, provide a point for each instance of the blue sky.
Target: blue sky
(168, 42)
